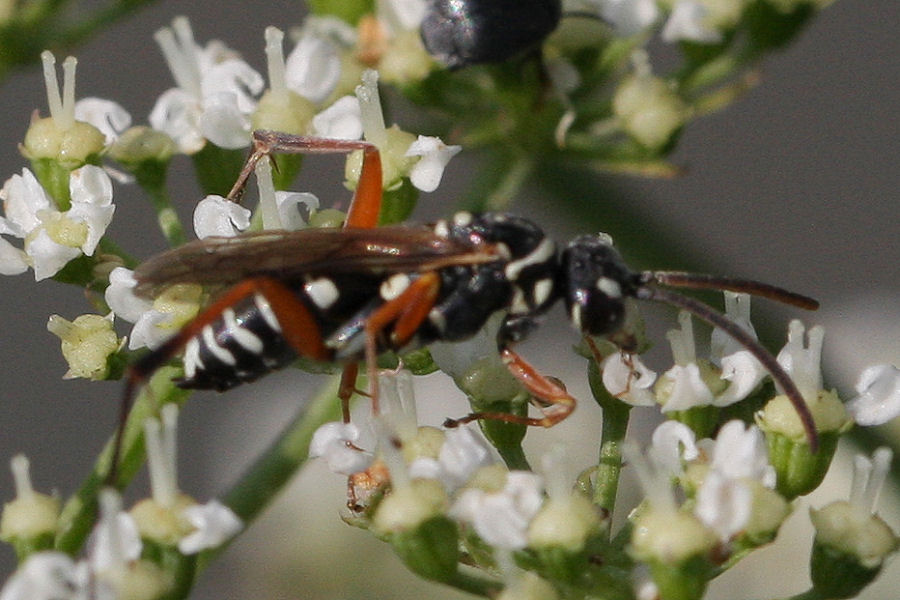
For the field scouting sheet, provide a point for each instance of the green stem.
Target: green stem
(475, 585)
(259, 485)
(80, 512)
(615, 424)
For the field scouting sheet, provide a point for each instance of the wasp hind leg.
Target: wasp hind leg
(554, 401)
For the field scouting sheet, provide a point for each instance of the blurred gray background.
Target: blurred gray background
(797, 184)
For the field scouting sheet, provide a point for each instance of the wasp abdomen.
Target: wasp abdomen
(243, 344)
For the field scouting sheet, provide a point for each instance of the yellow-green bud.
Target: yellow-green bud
(564, 522)
(182, 301)
(328, 217)
(528, 587)
(405, 59)
(408, 507)
(163, 524)
(670, 537)
(29, 521)
(285, 111)
(426, 443)
(71, 147)
(144, 580)
(87, 344)
(769, 510)
(648, 109)
(141, 144)
(395, 164)
(853, 531)
(780, 416)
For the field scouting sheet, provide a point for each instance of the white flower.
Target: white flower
(672, 443)
(53, 238)
(627, 17)
(214, 524)
(214, 95)
(336, 443)
(48, 576)
(341, 120)
(739, 367)
(107, 116)
(741, 453)
(115, 541)
(313, 68)
(803, 364)
(462, 453)
(724, 504)
(427, 172)
(501, 518)
(120, 296)
(400, 15)
(688, 22)
(879, 395)
(216, 216)
(628, 379)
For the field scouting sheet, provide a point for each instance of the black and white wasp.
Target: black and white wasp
(344, 295)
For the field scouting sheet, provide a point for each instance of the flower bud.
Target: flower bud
(142, 144)
(799, 470)
(162, 524)
(405, 59)
(395, 164)
(559, 533)
(144, 580)
(29, 521)
(283, 110)
(70, 147)
(87, 343)
(528, 587)
(648, 109)
(849, 549)
(408, 507)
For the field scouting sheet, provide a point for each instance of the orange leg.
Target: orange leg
(297, 326)
(366, 204)
(555, 402)
(406, 312)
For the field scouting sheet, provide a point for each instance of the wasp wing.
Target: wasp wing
(289, 255)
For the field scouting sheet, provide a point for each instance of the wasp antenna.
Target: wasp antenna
(745, 286)
(716, 319)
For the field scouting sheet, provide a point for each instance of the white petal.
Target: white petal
(233, 77)
(462, 453)
(114, 544)
(406, 14)
(120, 296)
(341, 120)
(672, 443)
(687, 388)
(313, 68)
(45, 576)
(23, 196)
(91, 185)
(744, 372)
(628, 17)
(150, 330)
(177, 114)
(427, 173)
(107, 116)
(223, 123)
(742, 453)
(723, 504)
(687, 23)
(336, 443)
(47, 256)
(501, 518)
(628, 379)
(294, 209)
(215, 524)
(216, 216)
(879, 396)
(13, 261)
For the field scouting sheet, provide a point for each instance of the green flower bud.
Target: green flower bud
(849, 549)
(799, 470)
(670, 537)
(405, 60)
(71, 147)
(565, 523)
(770, 509)
(144, 580)
(88, 343)
(28, 522)
(283, 110)
(649, 109)
(426, 443)
(395, 164)
(408, 507)
(528, 587)
(141, 144)
(162, 524)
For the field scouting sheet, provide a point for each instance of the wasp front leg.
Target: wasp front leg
(554, 401)
(366, 204)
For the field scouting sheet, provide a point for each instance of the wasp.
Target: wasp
(345, 295)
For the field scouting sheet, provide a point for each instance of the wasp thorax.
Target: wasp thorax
(597, 282)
